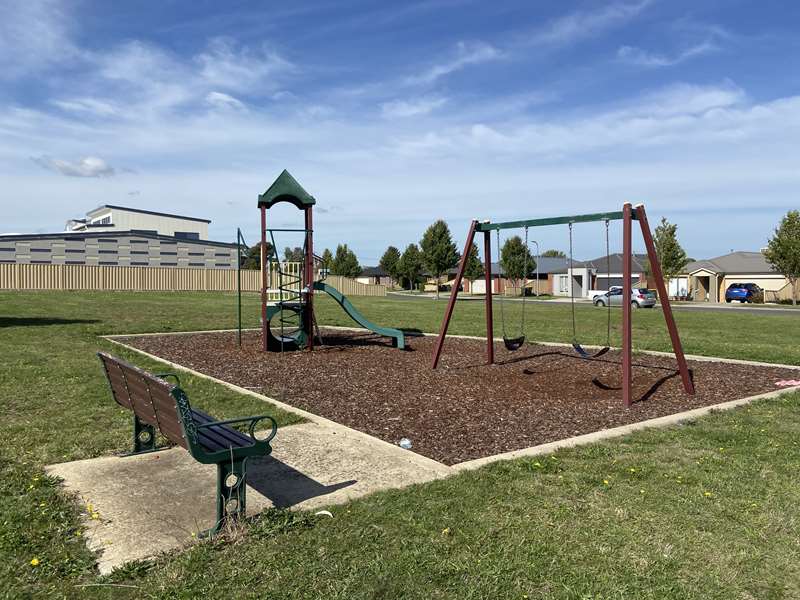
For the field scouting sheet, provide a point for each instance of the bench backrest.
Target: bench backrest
(149, 397)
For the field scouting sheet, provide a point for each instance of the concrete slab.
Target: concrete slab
(155, 502)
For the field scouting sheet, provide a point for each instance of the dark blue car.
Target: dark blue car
(743, 292)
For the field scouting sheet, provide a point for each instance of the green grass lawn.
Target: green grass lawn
(707, 510)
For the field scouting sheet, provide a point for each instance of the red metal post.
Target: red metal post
(308, 314)
(437, 351)
(627, 350)
(666, 307)
(487, 259)
(264, 267)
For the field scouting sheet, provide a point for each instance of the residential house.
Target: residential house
(597, 274)
(708, 279)
(374, 276)
(540, 281)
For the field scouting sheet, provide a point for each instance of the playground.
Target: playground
(465, 409)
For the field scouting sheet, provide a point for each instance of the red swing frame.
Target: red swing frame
(628, 214)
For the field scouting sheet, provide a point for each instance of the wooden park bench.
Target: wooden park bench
(159, 405)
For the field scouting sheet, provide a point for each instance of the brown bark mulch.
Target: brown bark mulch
(465, 409)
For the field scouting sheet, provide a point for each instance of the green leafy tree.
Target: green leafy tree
(327, 260)
(553, 253)
(389, 262)
(345, 262)
(474, 268)
(783, 250)
(295, 254)
(252, 259)
(517, 261)
(410, 265)
(439, 253)
(671, 256)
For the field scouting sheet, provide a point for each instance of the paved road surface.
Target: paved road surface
(585, 303)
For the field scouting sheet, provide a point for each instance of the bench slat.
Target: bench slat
(117, 381)
(221, 435)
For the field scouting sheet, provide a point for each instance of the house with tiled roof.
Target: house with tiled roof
(708, 279)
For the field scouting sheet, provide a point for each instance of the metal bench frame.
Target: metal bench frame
(159, 405)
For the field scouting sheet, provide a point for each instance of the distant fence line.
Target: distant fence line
(153, 279)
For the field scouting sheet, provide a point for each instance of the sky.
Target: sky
(394, 115)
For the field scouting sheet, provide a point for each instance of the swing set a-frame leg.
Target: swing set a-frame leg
(666, 307)
(437, 352)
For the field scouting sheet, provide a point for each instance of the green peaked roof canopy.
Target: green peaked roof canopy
(286, 189)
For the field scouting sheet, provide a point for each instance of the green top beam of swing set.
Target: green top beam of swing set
(607, 216)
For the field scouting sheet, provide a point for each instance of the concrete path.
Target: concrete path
(155, 502)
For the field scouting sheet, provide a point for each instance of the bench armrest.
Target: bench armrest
(251, 429)
(165, 375)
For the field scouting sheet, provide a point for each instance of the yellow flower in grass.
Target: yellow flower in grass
(34, 562)
(605, 481)
(707, 494)
(446, 531)
(95, 516)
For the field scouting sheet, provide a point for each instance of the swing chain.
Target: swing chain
(572, 289)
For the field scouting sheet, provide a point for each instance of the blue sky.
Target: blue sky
(394, 115)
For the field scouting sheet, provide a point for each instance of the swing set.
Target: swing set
(627, 215)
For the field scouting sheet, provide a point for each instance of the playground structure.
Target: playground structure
(628, 214)
(288, 323)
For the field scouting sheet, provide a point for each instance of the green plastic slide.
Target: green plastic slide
(398, 338)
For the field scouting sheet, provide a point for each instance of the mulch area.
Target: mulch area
(465, 409)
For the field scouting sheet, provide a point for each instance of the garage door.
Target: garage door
(479, 286)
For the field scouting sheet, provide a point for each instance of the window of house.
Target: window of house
(187, 235)
(103, 221)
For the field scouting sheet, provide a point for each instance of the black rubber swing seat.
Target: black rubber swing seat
(585, 354)
(513, 344)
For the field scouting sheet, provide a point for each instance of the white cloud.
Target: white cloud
(224, 101)
(87, 106)
(643, 58)
(223, 65)
(411, 108)
(90, 166)
(33, 35)
(467, 53)
(584, 24)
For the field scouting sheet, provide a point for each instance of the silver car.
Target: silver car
(640, 298)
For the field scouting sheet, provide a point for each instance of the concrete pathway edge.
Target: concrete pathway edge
(615, 432)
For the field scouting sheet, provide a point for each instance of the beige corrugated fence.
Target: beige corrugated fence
(155, 279)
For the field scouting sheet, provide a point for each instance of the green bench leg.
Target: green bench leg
(144, 437)
(231, 494)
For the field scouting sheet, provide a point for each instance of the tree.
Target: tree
(345, 262)
(783, 250)
(553, 253)
(671, 256)
(327, 260)
(389, 262)
(410, 265)
(514, 257)
(295, 254)
(253, 257)
(474, 268)
(439, 253)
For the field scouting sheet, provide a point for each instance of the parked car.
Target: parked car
(744, 292)
(640, 298)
